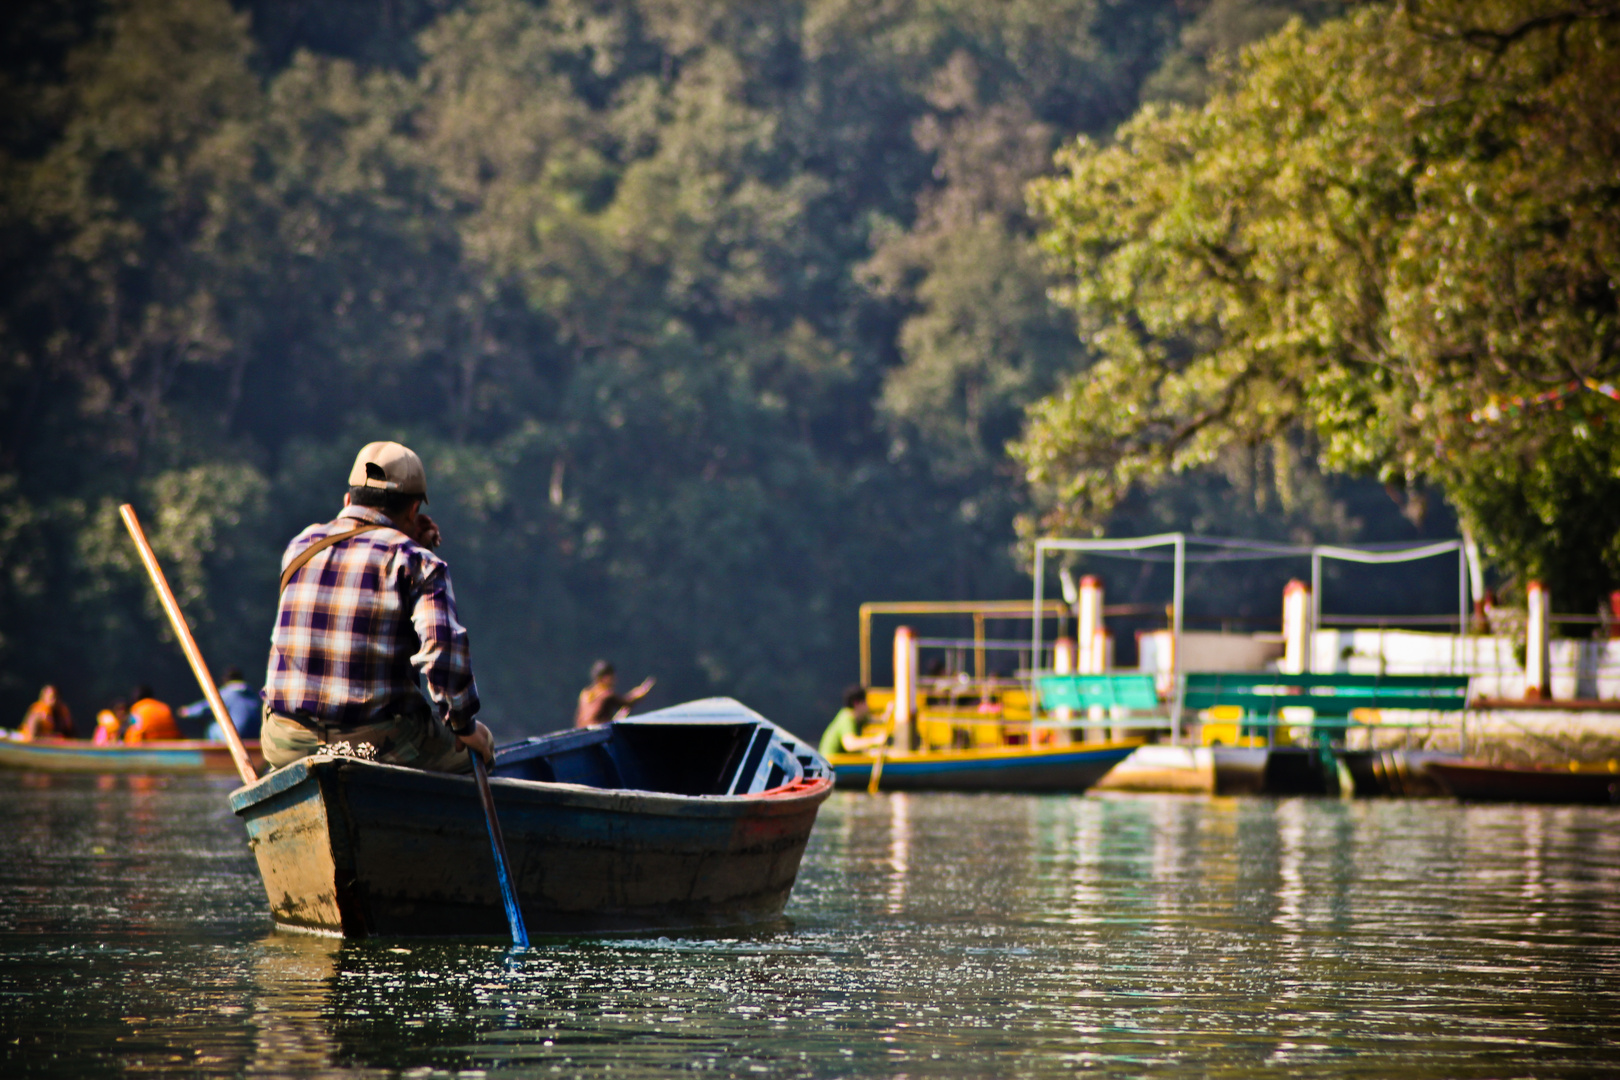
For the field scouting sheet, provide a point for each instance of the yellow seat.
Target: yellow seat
(1223, 726)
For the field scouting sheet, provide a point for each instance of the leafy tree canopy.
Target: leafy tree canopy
(710, 319)
(1381, 240)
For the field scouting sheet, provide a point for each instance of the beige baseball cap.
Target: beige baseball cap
(389, 466)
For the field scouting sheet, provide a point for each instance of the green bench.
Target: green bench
(1262, 695)
(1085, 692)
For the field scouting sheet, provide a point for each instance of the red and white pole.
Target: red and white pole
(1537, 646)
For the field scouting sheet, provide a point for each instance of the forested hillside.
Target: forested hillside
(710, 320)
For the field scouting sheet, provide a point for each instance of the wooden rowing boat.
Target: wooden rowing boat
(1482, 782)
(687, 817)
(1070, 769)
(81, 756)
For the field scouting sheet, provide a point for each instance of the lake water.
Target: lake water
(955, 936)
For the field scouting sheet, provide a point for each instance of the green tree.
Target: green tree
(1374, 231)
(711, 319)
(119, 302)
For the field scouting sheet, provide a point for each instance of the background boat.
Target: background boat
(1482, 782)
(1396, 772)
(81, 755)
(1070, 769)
(686, 817)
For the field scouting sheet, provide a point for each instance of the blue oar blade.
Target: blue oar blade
(497, 844)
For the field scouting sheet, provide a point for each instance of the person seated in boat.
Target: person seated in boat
(242, 705)
(598, 703)
(150, 720)
(47, 717)
(366, 609)
(843, 735)
(110, 723)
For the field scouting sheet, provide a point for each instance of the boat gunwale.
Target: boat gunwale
(1528, 769)
(54, 755)
(782, 801)
(980, 755)
(1540, 785)
(85, 746)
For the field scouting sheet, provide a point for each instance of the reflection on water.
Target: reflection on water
(899, 850)
(930, 935)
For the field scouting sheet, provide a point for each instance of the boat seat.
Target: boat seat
(1332, 698)
(579, 757)
(1088, 691)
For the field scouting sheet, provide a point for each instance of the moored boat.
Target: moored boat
(1482, 782)
(81, 756)
(1023, 731)
(1070, 769)
(1396, 772)
(1227, 770)
(686, 817)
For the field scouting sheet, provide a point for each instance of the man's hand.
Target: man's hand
(427, 532)
(480, 740)
(641, 691)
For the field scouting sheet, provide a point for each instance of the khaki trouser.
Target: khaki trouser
(415, 737)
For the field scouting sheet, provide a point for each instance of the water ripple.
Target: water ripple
(945, 936)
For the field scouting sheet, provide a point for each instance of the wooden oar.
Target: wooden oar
(497, 844)
(877, 773)
(189, 644)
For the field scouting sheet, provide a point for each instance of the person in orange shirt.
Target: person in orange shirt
(149, 719)
(47, 716)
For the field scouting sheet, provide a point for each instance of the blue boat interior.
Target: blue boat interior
(673, 758)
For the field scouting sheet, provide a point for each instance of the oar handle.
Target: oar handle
(497, 844)
(189, 644)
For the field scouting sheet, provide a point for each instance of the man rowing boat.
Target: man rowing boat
(366, 607)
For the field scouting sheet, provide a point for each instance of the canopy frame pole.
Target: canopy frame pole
(1316, 610)
(1263, 550)
(1178, 603)
(1459, 647)
(1035, 627)
(981, 672)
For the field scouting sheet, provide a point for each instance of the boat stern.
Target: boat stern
(290, 834)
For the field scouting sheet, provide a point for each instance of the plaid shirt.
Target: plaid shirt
(357, 618)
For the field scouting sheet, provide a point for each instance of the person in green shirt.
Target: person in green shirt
(843, 735)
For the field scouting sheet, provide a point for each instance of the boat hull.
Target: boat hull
(1480, 782)
(1015, 768)
(1395, 773)
(360, 849)
(1223, 770)
(79, 756)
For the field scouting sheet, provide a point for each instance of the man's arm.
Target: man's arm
(445, 658)
(640, 691)
(853, 743)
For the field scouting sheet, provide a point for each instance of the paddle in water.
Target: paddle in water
(514, 914)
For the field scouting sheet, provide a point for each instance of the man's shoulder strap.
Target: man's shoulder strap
(321, 545)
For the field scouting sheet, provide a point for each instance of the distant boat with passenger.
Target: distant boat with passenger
(58, 755)
(951, 730)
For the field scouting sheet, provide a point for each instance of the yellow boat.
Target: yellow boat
(956, 732)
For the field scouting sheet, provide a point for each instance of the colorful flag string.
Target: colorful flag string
(1496, 408)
